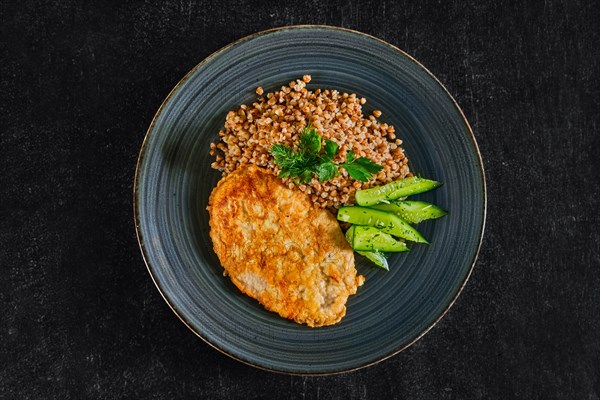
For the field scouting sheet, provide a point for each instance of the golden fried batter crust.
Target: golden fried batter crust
(280, 249)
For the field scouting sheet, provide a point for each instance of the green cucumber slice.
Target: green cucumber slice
(412, 211)
(386, 221)
(369, 238)
(375, 257)
(393, 190)
(350, 235)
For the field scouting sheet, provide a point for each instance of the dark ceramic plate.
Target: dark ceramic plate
(174, 179)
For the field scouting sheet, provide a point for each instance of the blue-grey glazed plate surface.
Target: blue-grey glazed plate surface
(174, 179)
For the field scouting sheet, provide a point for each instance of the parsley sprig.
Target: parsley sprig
(311, 158)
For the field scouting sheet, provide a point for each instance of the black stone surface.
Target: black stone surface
(79, 314)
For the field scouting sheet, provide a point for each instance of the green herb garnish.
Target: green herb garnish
(311, 158)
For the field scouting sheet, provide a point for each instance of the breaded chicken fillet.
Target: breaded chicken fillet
(281, 249)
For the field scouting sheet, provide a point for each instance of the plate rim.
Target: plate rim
(140, 158)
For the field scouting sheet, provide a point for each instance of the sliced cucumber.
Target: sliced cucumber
(412, 211)
(375, 257)
(386, 221)
(369, 238)
(350, 235)
(393, 190)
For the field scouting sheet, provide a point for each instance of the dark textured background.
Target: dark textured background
(79, 314)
